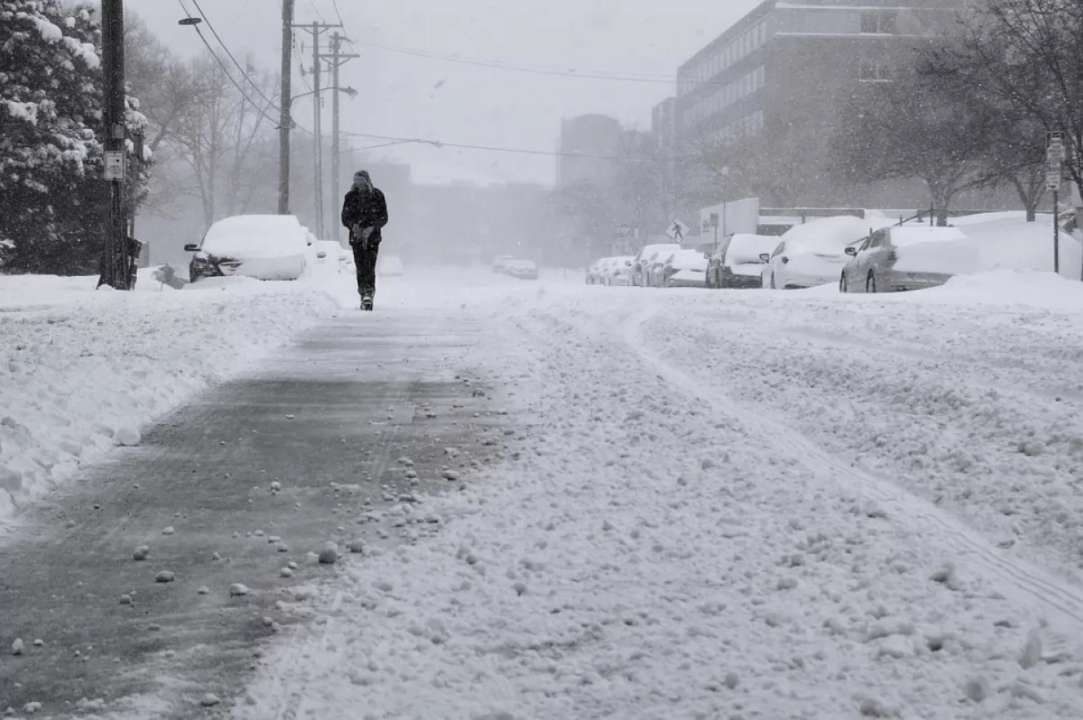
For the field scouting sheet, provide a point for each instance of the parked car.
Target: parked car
(265, 247)
(500, 263)
(645, 258)
(596, 273)
(620, 272)
(522, 269)
(684, 268)
(741, 265)
(812, 254)
(905, 258)
(715, 257)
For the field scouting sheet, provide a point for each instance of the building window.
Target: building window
(883, 22)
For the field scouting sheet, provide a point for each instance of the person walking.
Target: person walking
(364, 213)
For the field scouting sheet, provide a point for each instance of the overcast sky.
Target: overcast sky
(402, 95)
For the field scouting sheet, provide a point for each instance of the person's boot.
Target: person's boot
(366, 302)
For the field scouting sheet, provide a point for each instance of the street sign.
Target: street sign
(114, 165)
(1053, 179)
(677, 230)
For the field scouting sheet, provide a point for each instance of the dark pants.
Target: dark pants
(365, 260)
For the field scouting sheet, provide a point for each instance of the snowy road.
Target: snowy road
(672, 504)
(736, 505)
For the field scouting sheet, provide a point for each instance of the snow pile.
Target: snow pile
(85, 370)
(650, 549)
(1005, 241)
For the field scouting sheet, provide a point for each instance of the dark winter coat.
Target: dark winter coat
(365, 209)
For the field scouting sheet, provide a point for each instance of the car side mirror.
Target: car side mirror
(765, 257)
(191, 247)
(785, 260)
(851, 251)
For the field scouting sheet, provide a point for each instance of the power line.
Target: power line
(225, 71)
(507, 67)
(339, 14)
(244, 72)
(392, 140)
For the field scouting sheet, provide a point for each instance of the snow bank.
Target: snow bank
(84, 371)
(1007, 241)
(1010, 287)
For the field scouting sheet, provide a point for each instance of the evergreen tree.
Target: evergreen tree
(52, 197)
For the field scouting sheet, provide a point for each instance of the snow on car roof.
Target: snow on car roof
(746, 248)
(256, 236)
(687, 259)
(906, 235)
(826, 235)
(654, 249)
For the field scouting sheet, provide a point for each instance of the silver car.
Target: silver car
(905, 258)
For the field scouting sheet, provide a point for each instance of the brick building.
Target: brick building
(786, 68)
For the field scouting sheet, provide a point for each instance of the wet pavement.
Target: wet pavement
(309, 448)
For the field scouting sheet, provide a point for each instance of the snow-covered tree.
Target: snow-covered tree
(52, 197)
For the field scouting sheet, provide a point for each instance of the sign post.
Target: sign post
(1055, 156)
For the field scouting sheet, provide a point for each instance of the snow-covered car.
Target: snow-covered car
(741, 262)
(265, 247)
(596, 273)
(620, 272)
(642, 262)
(500, 263)
(685, 268)
(522, 269)
(906, 258)
(390, 266)
(812, 254)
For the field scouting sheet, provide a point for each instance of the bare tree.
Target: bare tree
(221, 136)
(1026, 58)
(916, 127)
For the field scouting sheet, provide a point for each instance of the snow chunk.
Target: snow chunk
(49, 32)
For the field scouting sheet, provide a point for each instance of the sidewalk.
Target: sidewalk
(229, 489)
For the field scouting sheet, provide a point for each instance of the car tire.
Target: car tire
(870, 283)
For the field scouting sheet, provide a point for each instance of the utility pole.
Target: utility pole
(114, 269)
(318, 130)
(285, 120)
(337, 60)
(316, 29)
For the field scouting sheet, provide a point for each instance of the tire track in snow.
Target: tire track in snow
(1028, 583)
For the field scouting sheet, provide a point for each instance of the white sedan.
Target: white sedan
(813, 253)
(265, 247)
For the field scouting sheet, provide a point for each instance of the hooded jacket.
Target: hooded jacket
(366, 208)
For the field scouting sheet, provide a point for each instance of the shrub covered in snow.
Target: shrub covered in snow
(51, 193)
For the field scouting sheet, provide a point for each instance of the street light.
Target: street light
(347, 90)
